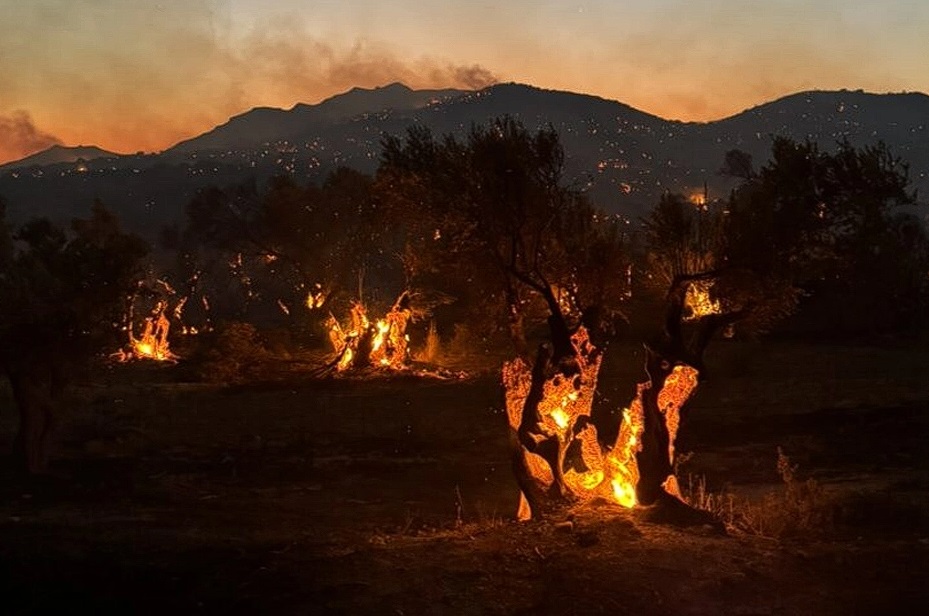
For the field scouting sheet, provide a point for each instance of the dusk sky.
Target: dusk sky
(130, 75)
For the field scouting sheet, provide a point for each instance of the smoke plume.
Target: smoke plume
(19, 137)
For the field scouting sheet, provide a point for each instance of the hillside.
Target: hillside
(58, 154)
(624, 157)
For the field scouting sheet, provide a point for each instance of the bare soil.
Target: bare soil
(393, 495)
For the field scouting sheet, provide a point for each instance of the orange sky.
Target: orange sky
(130, 76)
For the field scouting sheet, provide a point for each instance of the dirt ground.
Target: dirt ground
(394, 496)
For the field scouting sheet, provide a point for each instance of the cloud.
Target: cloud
(19, 137)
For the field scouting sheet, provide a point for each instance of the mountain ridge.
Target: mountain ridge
(59, 153)
(623, 157)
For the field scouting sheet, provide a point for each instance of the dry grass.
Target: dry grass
(796, 508)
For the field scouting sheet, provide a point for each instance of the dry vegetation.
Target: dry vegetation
(395, 496)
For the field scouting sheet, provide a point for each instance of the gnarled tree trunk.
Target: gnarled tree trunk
(36, 392)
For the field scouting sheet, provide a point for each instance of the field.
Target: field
(394, 496)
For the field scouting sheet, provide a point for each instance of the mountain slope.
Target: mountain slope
(269, 125)
(623, 157)
(59, 154)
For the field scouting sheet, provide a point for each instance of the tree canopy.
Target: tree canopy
(62, 295)
(492, 212)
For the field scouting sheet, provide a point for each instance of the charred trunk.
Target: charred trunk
(363, 347)
(558, 327)
(654, 457)
(36, 400)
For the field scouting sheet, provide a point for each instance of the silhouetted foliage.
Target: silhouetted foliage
(808, 223)
(62, 296)
(232, 353)
(830, 222)
(738, 164)
(263, 250)
(492, 217)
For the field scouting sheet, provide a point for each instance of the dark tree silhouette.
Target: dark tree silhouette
(833, 223)
(300, 244)
(62, 295)
(492, 213)
(738, 164)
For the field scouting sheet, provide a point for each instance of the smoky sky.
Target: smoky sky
(141, 76)
(19, 137)
(128, 75)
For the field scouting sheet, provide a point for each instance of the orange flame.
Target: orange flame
(388, 339)
(699, 302)
(610, 472)
(316, 298)
(153, 342)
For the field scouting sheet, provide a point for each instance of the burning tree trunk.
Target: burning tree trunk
(557, 456)
(670, 385)
(674, 365)
(365, 344)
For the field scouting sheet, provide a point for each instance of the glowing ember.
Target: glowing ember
(153, 342)
(564, 412)
(678, 387)
(316, 298)
(698, 300)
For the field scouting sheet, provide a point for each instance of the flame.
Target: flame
(698, 198)
(677, 389)
(388, 339)
(153, 342)
(565, 402)
(624, 469)
(316, 298)
(564, 412)
(699, 302)
(560, 418)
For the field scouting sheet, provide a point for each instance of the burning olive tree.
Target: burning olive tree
(493, 213)
(746, 263)
(61, 296)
